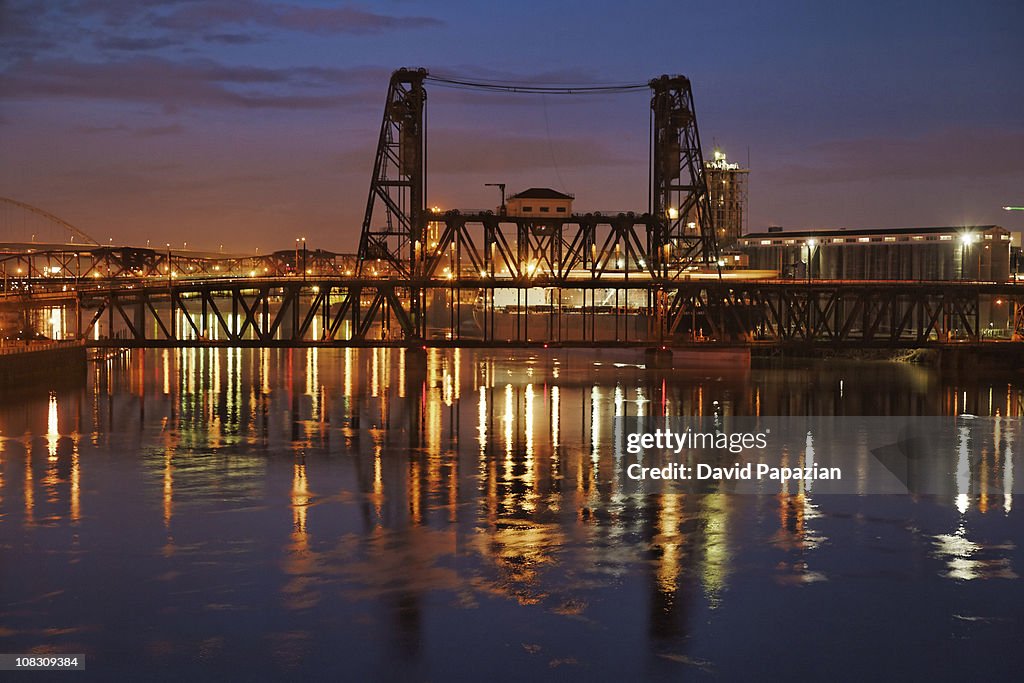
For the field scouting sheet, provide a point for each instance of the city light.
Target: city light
(571, 464)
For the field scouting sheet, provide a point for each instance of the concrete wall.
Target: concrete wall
(25, 366)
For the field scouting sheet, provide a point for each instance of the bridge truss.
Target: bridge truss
(490, 279)
(48, 266)
(402, 236)
(469, 312)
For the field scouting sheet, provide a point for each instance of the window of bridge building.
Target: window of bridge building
(545, 209)
(527, 208)
(560, 209)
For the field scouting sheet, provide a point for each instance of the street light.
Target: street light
(966, 240)
(810, 245)
(303, 241)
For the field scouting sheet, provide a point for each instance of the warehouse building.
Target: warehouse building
(976, 253)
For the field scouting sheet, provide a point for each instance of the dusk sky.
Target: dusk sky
(250, 123)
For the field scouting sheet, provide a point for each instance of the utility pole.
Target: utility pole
(304, 260)
(500, 186)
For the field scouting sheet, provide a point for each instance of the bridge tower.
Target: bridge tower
(679, 191)
(399, 184)
(395, 235)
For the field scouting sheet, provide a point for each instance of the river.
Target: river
(230, 514)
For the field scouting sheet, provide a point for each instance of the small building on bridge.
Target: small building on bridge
(540, 202)
(974, 253)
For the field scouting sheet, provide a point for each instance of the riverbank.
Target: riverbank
(990, 359)
(43, 364)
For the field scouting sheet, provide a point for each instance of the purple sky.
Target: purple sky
(249, 123)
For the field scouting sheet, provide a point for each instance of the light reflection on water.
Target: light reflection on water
(346, 511)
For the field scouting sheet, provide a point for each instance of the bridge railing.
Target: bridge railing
(8, 347)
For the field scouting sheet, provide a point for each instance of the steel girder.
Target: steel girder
(398, 183)
(359, 311)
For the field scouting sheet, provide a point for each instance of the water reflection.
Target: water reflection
(393, 495)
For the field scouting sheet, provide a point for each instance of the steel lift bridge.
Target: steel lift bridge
(421, 278)
(489, 250)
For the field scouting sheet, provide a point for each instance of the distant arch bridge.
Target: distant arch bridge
(22, 223)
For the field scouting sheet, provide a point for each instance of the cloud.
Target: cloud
(23, 29)
(201, 16)
(156, 131)
(149, 25)
(155, 80)
(234, 38)
(126, 44)
(89, 129)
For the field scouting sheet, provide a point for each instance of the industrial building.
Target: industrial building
(975, 253)
(727, 194)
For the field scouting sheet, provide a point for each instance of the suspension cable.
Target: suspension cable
(535, 89)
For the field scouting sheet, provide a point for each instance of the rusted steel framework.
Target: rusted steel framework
(469, 311)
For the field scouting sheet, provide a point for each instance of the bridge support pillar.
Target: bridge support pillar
(658, 357)
(415, 367)
(951, 362)
(139, 321)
